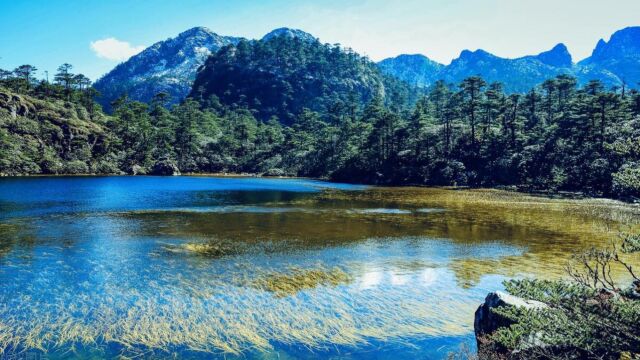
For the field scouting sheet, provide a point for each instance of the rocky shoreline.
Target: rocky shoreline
(488, 321)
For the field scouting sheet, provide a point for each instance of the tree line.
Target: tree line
(557, 136)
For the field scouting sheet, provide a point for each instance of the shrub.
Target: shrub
(76, 167)
(590, 317)
(626, 182)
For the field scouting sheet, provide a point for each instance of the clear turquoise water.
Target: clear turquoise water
(102, 255)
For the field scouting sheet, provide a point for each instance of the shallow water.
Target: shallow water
(194, 267)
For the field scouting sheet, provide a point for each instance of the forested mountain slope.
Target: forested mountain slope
(282, 75)
(170, 66)
(293, 106)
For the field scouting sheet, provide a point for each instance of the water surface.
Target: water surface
(195, 267)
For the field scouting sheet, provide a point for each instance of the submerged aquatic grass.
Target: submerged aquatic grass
(215, 316)
(212, 248)
(335, 269)
(296, 280)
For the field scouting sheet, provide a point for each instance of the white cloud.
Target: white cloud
(114, 49)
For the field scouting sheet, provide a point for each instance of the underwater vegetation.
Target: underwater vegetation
(336, 269)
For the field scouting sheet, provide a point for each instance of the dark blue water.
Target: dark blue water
(57, 195)
(186, 266)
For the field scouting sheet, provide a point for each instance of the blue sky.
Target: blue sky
(46, 33)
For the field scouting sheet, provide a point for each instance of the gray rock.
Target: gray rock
(486, 321)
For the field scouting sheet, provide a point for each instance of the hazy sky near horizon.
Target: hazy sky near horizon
(95, 36)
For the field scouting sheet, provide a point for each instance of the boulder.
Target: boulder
(487, 321)
(165, 168)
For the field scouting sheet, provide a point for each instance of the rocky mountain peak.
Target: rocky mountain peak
(559, 56)
(623, 43)
(472, 56)
(167, 66)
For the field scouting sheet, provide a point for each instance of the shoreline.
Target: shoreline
(221, 175)
(567, 195)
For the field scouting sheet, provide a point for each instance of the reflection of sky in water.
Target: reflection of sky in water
(383, 211)
(55, 195)
(72, 259)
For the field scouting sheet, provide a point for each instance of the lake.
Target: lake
(201, 267)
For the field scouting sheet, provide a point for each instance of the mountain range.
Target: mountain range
(171, 66)
(615, 63)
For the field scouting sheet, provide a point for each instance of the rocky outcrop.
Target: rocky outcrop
(47, 135)
(487, 322)
(138, 170)
(16, 104)
(165, 168)
(290, 33)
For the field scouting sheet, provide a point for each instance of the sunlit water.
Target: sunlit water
(195, 267)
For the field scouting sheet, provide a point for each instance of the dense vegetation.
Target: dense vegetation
(305, 115)
(593, 317)
(281, 76)
(51, 128)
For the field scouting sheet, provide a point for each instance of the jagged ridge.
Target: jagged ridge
(615, 63)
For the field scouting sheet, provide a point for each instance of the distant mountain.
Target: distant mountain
(517, 75)
(290, 33)
(287, 72)
(171, 65)
(619, 56)
(559, 57)
(167, 66)
(417, 70)
(614, 63)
